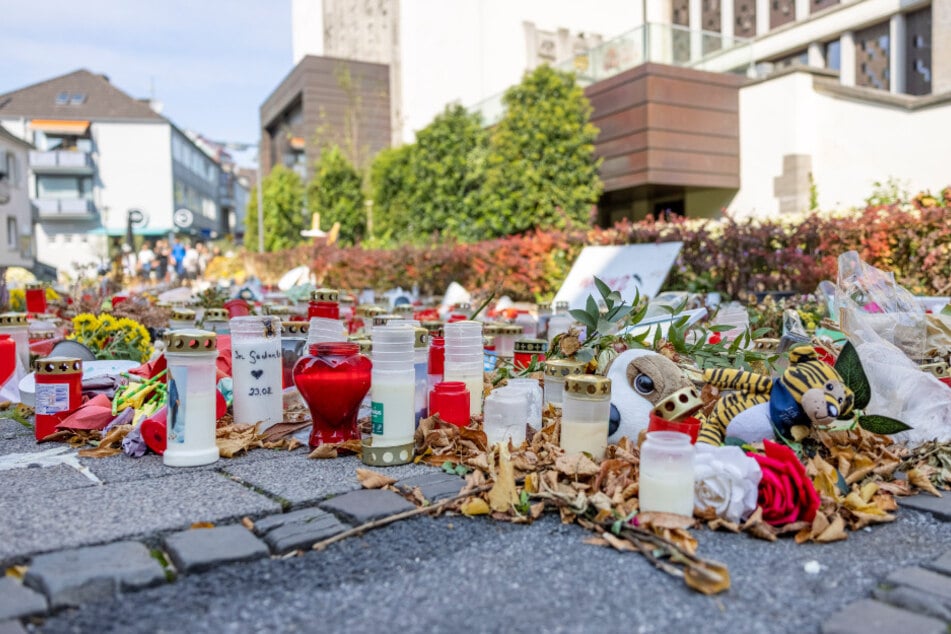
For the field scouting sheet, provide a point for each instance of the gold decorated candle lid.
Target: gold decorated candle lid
(13, 319)
(34, 286)
(464, 306)
(511, 329)
(562, 368)
(325, 295)
(191, 341)
(403, 309)
(382, 320)
(422, 338)
(366, 345)
(491, 329)
(59, 365)
(292, 329)
(216, 314)
(681, 404)
(544, 308)
(183, 314)
(589, 387)
(163, 304)
(766, 345)
(43, 334)
(434, 327)
(561, 306)
(531, 346)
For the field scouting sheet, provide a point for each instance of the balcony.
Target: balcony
(61, 162)
(65, 209)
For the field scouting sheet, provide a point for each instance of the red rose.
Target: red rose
(785, 492)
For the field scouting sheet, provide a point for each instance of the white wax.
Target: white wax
(670, 490)
(191, 416)
(256, 370)
(591, 437)
(473, 381)
(393, 409)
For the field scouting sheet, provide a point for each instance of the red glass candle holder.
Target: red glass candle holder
(689, 426)
(333, 379)
(35, 298)
(324, 302)
(237, 308)
(450, 399)
(59, 391)
(118, 299)
(8, 358)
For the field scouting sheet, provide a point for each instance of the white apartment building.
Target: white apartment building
(16, 212)
(755, 107)
(100, 154)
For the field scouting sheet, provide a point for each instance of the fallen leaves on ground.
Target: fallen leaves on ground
(370, 479)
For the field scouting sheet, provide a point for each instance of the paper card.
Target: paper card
(627, 269)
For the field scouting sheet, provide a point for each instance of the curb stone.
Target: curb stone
(939, 507)
(298, 529)
(71, 577)
(17, 600)
(872, 617)
(11, 627)
(199, 549)
(433, 486)
(365, 505)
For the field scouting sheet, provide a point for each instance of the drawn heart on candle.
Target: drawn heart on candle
(257, 373)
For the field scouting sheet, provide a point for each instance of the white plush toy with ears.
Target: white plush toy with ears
(639, 380)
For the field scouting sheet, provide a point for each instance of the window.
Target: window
(62, 99)
(871, 57)
(67, 98)
(833, 55)
(918, 52)
(800, 58)
(13, 235)
(77, 99)
(10, 175)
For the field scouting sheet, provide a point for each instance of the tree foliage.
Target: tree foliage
(336, 193)
(541, 170)
(283, 211)
(389, 184)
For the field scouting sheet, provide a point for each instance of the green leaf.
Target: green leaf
(841, 484)
(733, 441)
(604, 325)
(591, 307)
(584, 318)
(849, 367)
(584, 354)
(603, 288)
(720, 328)
(449, 466)
(882, 424)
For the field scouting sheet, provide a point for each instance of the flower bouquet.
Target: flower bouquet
(111, 338)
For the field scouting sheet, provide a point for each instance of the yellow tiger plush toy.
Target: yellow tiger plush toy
(809, 391)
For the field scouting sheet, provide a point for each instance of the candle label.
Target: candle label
(176, 412)
(52, 398)
(376, 417)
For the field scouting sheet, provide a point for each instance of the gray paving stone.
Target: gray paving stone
(304, 533)
(939, 507)
(304, 482)
(915, 600)
(268, 524)
(122, 510)
(873, 617)
(366, 505)
(37, 481)
(203, 548)
(922, 579)
(73, 577)
(10, 429)
(11, 627)
(942, 564)
(434, 486)
(16, 600)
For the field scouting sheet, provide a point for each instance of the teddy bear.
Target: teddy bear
(640, 380)
(808, 392)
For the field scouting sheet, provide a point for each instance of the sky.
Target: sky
(211, 62)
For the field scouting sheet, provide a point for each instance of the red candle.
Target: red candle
(450, 399)
(59, 391)
(324, 303)
(526, 349)
(36, 298)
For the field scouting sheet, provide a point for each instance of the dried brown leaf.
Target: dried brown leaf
(202, 525)
(370, 479)
(503, 495)
(323, 452)
(708, 577)
(619, 544)
(919, 477)
(717, 523)
(474, 506)
(756, 527)
(247, 523)
(657, 519)
(576, 465)
(596, 540)
(834, 532)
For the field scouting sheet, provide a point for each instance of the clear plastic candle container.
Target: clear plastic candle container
(585, 415)
(325, 330)
(420, 365)
(191, 356)
(667, 473)
(556, 371)
(558, 325)
(505, 341)
(529, 325)
(533, 396)
(393, 396)
(465, 359)
(506, 410)
(256, 371)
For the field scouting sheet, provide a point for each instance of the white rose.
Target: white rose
(726, 480)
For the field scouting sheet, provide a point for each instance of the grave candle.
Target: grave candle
(59, 391)
(191, 356)
(256, 371)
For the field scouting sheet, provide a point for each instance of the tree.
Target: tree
(541, 170)
(283, 211)
(336, 193)
(389, 184)
(446, 171)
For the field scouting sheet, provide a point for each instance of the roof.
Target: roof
(12, 138)
(76, 95)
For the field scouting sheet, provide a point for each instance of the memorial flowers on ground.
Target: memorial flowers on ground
(111, 338)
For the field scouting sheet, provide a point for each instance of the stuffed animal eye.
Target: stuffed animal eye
(643, 384)
(833, 411)
(829, 387)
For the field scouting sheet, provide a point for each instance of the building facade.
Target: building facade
(326, 101)
(16, 211)
(100, 154)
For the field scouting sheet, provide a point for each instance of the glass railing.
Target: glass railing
(659, 43)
